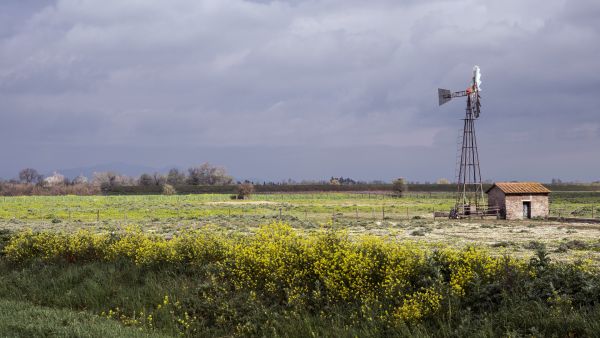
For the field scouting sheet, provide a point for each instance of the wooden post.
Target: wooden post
(280, 212)
(357, 213)
(406, 212)
(382, 212)
(97, 215)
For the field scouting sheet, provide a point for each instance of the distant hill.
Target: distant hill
(118, 167)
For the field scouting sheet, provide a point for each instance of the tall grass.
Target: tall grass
(22, 319)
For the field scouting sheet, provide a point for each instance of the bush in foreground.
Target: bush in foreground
(246, 284)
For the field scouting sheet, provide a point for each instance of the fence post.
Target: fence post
(357, 213)
(279, 213)
(407, 213)
(97, 215)
(382, 212)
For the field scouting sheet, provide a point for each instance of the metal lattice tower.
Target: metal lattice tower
(469, 192)
(469, 189)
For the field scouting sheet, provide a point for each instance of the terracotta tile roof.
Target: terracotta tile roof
(520, 188)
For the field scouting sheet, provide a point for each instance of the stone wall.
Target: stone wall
(539, 206)
(514, 206)
(496, 198)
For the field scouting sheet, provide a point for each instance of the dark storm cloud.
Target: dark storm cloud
(313, 77)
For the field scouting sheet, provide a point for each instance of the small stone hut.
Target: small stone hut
(519, 200)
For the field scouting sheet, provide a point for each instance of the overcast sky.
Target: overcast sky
(301, 88)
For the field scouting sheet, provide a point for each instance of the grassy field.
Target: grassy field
(63, 281)
(317, 207)
(311, 206)
(408, 218)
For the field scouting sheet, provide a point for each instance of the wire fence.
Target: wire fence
(384, 212)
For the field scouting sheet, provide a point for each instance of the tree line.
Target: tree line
(204, 176)
(31, 182)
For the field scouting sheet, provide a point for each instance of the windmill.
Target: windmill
(469, 190)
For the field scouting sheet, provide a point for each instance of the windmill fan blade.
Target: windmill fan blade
(444, 95)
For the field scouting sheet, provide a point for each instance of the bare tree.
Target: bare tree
(80, 179)
(145, 180)
(207, 174)
(175, 177)
(108, 179)
(30, 175)
(105, 178)
(158, 179)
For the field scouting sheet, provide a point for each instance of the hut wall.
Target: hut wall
(514, 206)
(496, 198)
(539, 206)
